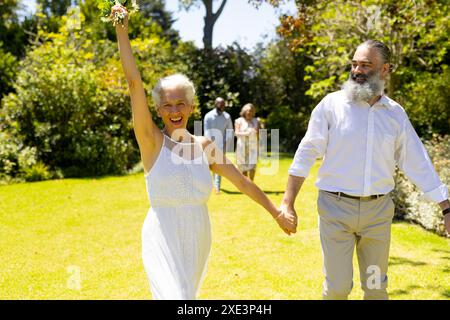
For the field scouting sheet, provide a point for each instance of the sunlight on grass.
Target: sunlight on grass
(48, 229)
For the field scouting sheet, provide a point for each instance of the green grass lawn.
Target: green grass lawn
(53, 231)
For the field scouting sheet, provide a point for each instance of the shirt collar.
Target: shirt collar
(217, 112)
(385, 101)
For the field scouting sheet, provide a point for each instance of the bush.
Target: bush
(409, 200)
(292, 127)
(426, 99)
(8, 66)
(36, 172)
(18, 163)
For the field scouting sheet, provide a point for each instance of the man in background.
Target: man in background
(219, 128)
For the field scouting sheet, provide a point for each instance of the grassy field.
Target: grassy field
(55, 235)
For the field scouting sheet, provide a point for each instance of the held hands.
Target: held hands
(287, 219)
(252, 131)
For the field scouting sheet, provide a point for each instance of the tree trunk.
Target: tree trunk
(210, 20)
(209, 25)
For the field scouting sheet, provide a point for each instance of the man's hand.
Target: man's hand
(445, 205)
(287, 220)
(447, 222)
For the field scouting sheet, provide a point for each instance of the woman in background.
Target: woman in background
(247, 132)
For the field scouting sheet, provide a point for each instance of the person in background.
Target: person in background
(219, 128)
(247, 133)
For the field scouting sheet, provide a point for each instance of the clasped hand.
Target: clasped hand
(287, 219)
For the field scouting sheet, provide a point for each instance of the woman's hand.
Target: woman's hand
(119, 16)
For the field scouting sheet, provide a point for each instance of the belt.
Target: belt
(372, 197)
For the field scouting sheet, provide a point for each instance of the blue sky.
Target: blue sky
(239, 22)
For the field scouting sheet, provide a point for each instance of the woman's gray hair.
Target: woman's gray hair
(245, 108)
(383, 50)
(177, 80)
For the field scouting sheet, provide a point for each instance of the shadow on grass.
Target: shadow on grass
(406, 291)
(441, 251)
(446, 253)
(393, 261)
(265, 191)
(401, 292)
(446, 256)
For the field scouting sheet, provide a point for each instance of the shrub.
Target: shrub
(8, 66)
(426, 99)
(18, 163)
(36, 172)
(292, 126)
(409, 199)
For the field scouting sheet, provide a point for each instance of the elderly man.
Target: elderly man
(219, 128)
(362, 135)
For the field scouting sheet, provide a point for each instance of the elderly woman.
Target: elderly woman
(176, 237)
(246, 130)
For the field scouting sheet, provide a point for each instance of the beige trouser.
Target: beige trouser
(344, 222)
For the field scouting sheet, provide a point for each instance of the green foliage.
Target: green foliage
(15, 158)
(37, 172)
(12, 33)
(8, 70)
(54, 7)
(426, 99)
(292, 126)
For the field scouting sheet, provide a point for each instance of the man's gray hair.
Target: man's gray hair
(382, 48)
(177, 80)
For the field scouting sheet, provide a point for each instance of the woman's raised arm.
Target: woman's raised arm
(148, 136)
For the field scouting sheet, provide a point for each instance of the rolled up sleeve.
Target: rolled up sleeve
(412, 158)
(313, 144)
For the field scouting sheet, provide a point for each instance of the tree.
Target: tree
(55, 7)
(155, 10)
(210, 18)
(8, 66)
(12, 34)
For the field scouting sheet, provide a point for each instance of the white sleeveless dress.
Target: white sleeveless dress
(176, 235)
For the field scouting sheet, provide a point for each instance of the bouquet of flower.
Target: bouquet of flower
(106, 5)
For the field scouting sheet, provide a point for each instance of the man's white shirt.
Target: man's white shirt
(218, 127)
(361, 145)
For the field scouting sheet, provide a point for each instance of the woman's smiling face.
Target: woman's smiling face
(174, 109)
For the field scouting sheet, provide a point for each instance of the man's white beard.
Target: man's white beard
(365, 91)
